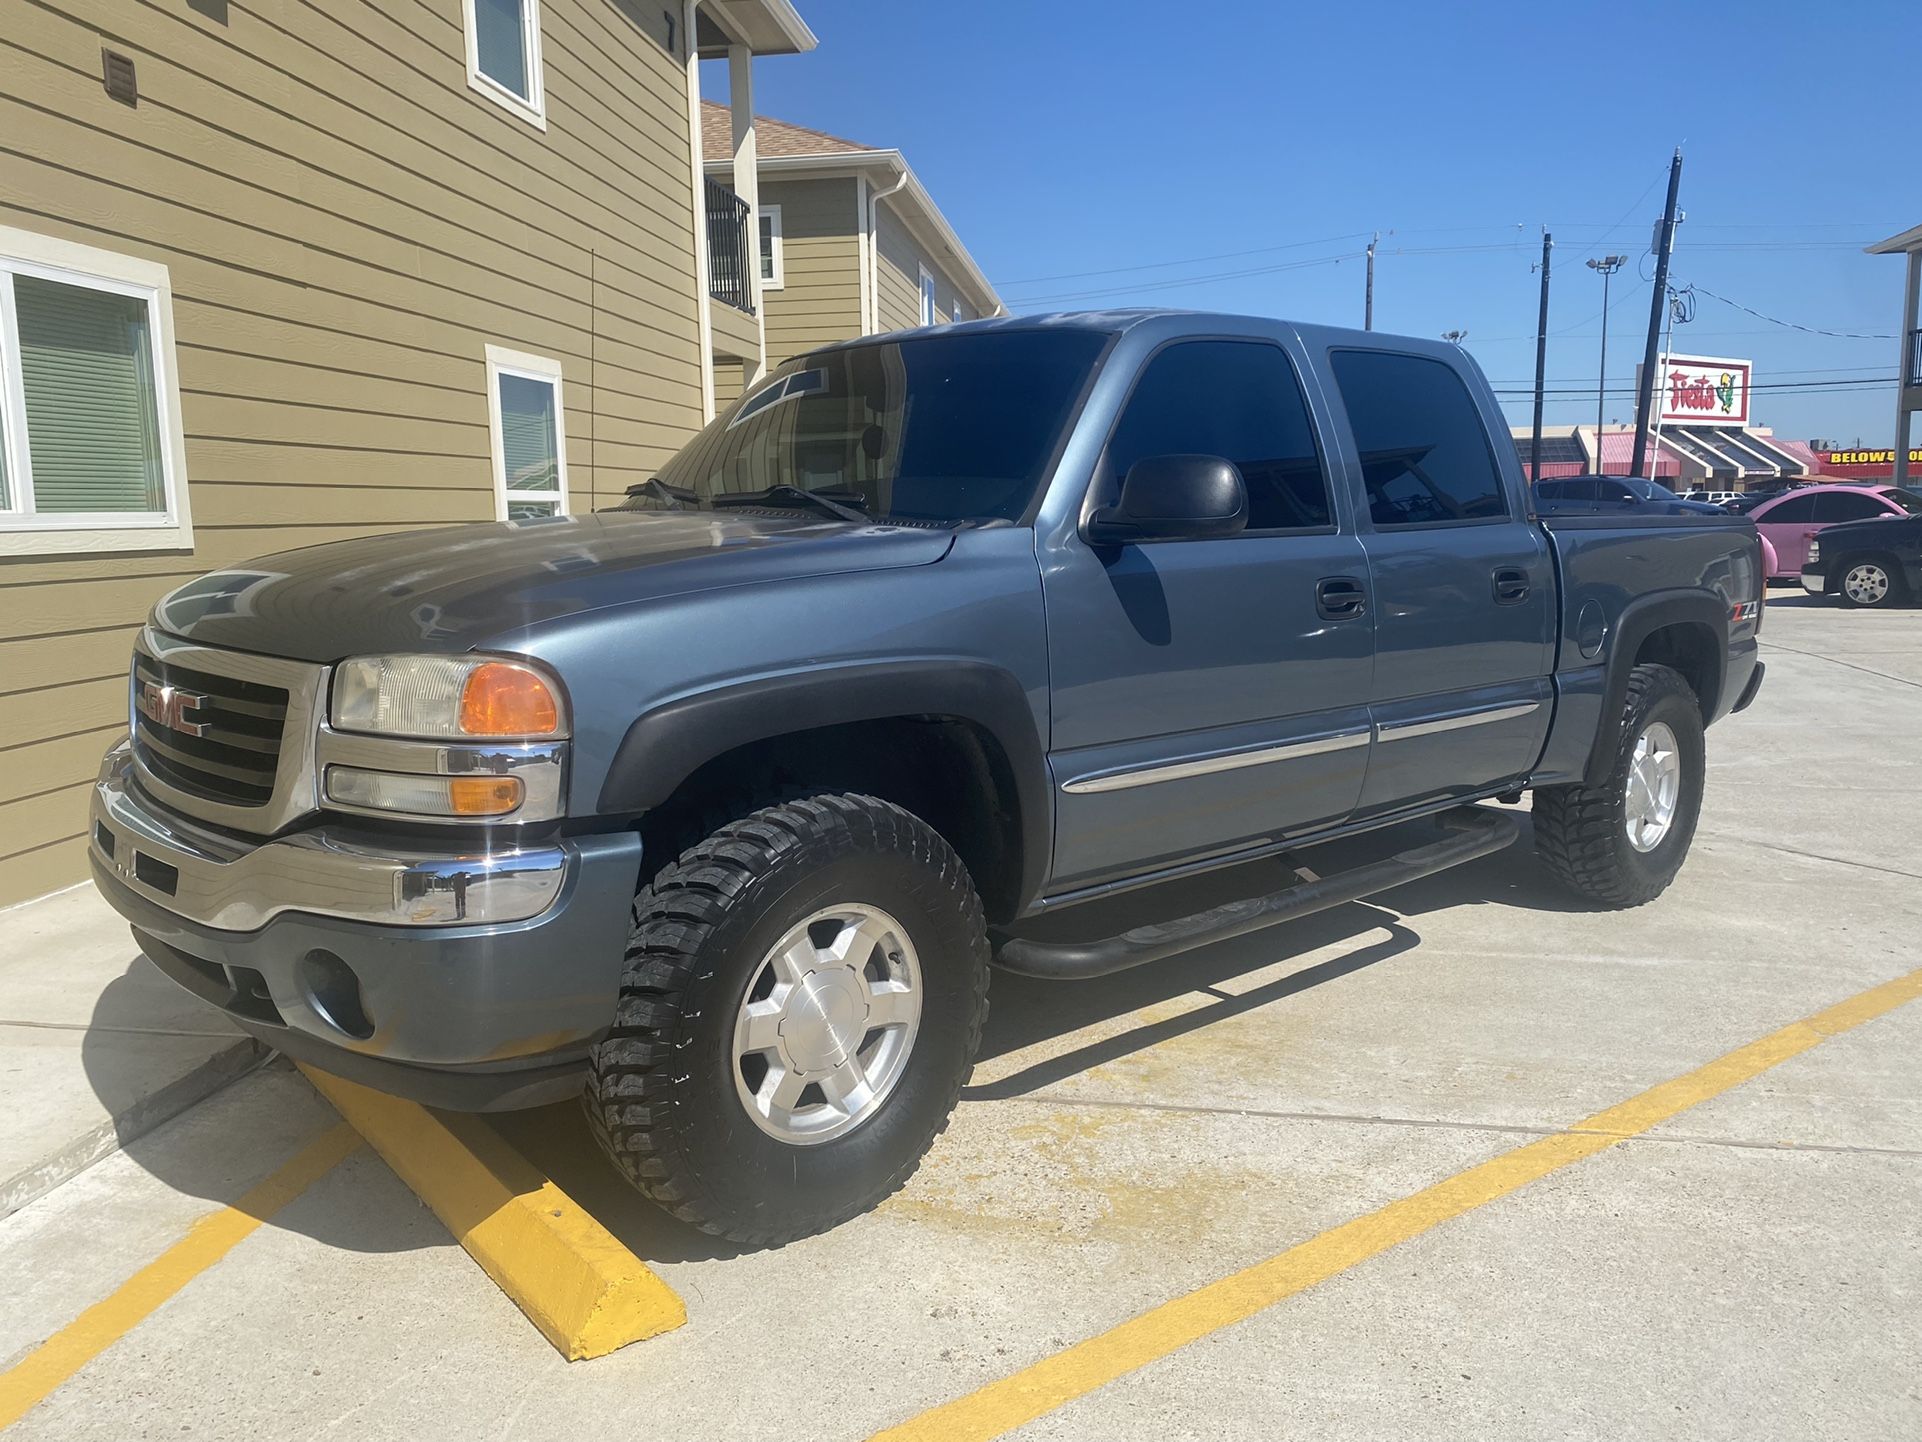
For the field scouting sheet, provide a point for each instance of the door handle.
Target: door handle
(1511, 585)
(1340, 598)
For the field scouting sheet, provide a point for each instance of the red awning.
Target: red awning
(1618, 453)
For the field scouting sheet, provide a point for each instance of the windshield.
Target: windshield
(1907, 500)
(940, 428)
(1655, 491)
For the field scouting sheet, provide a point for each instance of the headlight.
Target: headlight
(451, 697)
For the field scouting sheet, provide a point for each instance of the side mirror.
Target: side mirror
(1173, 498)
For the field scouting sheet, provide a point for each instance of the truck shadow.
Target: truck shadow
(1026, 1013)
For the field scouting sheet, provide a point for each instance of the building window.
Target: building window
(504, 55)
(958, 315)
(928, 313)
(91, 456)
(773, 275)
(527, 427)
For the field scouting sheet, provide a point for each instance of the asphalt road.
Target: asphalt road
(1745, 1264)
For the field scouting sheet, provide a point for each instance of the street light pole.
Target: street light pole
(1607, 266)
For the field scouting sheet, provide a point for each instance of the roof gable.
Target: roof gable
(772, 138)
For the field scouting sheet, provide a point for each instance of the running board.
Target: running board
(1475, 832)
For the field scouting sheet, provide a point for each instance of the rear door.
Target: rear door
(1462, 583)
(1209, 694)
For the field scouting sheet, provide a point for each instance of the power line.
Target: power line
(1112, 290)
(1188, 260)
(1791, 325)
(1815, 371)
(1873, 383)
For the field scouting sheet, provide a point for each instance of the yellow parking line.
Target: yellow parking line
(209, 1239)
(1002, 1406)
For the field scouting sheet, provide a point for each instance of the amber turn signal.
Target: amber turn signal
(503, 699)
(483, 795)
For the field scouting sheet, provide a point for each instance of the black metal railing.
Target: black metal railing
(1914, 377)
(729, 255)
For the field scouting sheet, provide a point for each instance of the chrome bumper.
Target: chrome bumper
(1813, 584)
(210, 878)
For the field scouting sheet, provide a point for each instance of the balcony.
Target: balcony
(729, 252)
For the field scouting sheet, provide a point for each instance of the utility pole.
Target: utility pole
(1656, 302)
(1541, 366)
(1606, 267)
(1368, 306)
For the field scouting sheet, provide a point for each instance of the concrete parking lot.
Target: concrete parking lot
(1751, 1266)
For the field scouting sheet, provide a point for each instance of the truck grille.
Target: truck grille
(237, 755)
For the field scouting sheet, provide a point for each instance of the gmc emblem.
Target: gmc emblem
(164, 706)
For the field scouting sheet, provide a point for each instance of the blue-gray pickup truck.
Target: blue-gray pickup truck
(715, 808)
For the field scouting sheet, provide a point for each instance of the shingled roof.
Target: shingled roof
(772, 137)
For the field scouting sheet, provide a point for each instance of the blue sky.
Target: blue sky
(1065, 138)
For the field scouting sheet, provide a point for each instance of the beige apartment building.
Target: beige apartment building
(850, 241)
(277, 273)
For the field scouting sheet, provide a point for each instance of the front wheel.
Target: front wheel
(1621, 843)
(1869, 583)
(804, 994)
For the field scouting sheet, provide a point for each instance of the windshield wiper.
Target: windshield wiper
(660, 490)
(792, 496)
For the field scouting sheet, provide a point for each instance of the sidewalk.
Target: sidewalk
(96, 1047)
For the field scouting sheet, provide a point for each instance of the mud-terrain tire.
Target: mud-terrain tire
(1610, 843)
(755, 937)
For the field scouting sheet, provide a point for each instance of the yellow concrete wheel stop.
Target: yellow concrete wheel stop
(586, 1292)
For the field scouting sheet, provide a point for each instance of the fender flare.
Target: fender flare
(666, 745)
(1639, 620)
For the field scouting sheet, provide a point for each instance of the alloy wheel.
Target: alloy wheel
(827, 1023)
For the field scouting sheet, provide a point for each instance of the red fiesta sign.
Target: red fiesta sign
(1704, 391)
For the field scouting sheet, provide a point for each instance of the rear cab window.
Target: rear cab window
(1425, 454)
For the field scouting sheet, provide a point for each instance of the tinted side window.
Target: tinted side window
(1424, 451)
(1794, 510)
(1848, 506)
(1235, 399)
(1614, 492)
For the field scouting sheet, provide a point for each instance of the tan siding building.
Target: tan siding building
(342, 270)
(847, 235)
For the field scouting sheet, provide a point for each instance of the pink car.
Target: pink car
(1789, 520)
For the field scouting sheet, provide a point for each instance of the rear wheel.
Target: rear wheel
(1621, 843)
(1869, 583)
(804, 994)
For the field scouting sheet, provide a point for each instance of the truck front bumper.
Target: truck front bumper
(472, 981)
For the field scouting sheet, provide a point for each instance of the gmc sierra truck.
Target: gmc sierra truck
(715, 808)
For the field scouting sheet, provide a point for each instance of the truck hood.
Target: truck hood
(460, 587)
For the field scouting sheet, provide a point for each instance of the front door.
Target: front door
(1209, 694)
(1789, 524)
(1463, 586)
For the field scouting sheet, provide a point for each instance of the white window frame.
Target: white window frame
(531, 107)
(22, 531)
(958, 317)
(777, 250)
(930, 313)
(502, 361)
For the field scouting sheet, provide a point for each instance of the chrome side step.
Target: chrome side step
(1473, 830)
